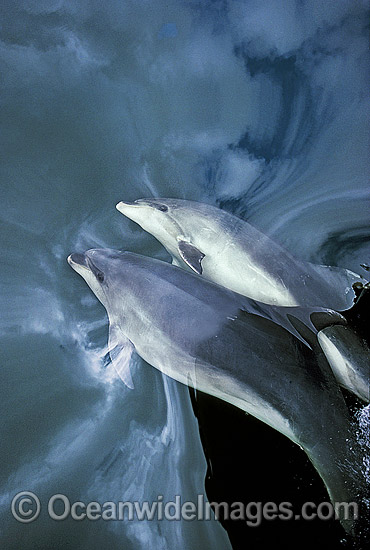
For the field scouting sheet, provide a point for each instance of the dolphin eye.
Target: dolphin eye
(96, 271)
(158, 206)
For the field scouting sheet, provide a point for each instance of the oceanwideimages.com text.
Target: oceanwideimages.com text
(26, 507)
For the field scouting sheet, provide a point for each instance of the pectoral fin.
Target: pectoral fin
(191, 256)
(120, 350)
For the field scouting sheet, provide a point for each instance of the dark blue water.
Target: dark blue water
(258, 107)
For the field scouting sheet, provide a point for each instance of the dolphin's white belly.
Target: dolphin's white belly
(234, 269)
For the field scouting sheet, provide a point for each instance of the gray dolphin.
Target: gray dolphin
(213, 339)
(229, 251)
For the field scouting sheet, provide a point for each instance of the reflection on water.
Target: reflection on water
(257, 107)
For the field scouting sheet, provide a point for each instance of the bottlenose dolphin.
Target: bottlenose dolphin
(229, 251)
(213, 339)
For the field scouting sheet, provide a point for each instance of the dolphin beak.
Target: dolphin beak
(126, 204)
(77, 260)
(126, 208)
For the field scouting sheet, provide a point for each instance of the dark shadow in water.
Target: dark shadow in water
(250, 462)
(358, 316)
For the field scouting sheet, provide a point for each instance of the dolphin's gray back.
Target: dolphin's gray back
(192, 305)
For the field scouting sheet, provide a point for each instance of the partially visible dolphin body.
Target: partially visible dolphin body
(215, 340)
(349, 358)
(346, 344)
(229, 251)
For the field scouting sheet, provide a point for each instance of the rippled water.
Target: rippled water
(258, 107)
